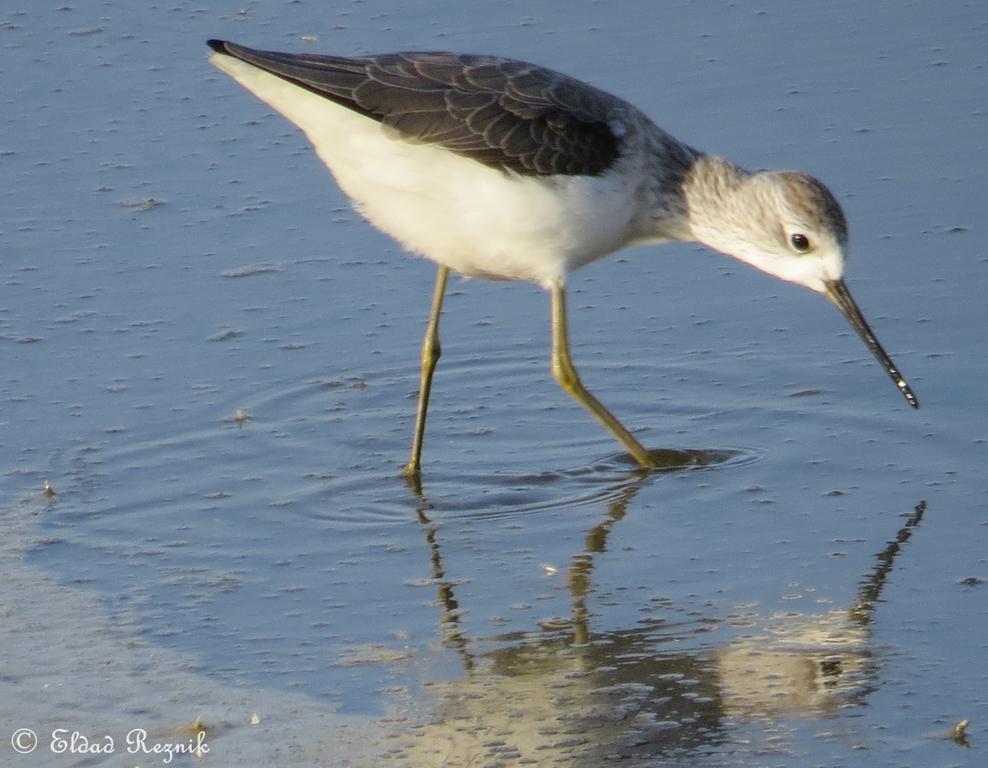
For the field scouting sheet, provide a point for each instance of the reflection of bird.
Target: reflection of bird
(573, 696)
(803, 664)
(500, 169)
(796, 665)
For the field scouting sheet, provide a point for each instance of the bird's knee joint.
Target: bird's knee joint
(431, 351)
(565, 376)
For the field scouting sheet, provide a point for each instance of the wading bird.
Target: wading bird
(505, 170)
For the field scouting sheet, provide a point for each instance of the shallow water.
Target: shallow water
(171, 254)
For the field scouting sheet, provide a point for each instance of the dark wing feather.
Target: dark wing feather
(503, 113)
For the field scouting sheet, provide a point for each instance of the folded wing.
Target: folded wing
(503, 113)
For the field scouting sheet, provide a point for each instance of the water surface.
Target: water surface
(804, 586)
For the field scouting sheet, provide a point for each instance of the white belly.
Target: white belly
(474, 219)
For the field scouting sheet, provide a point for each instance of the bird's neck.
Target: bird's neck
(719, 203)
(713, 189)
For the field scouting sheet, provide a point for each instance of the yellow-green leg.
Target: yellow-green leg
(431, 352)
(569, 380)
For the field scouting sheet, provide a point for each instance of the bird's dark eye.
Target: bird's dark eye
(800, 242)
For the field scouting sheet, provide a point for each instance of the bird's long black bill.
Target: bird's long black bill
(838, 293)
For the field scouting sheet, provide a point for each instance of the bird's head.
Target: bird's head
(785, 223)
(801, 235)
